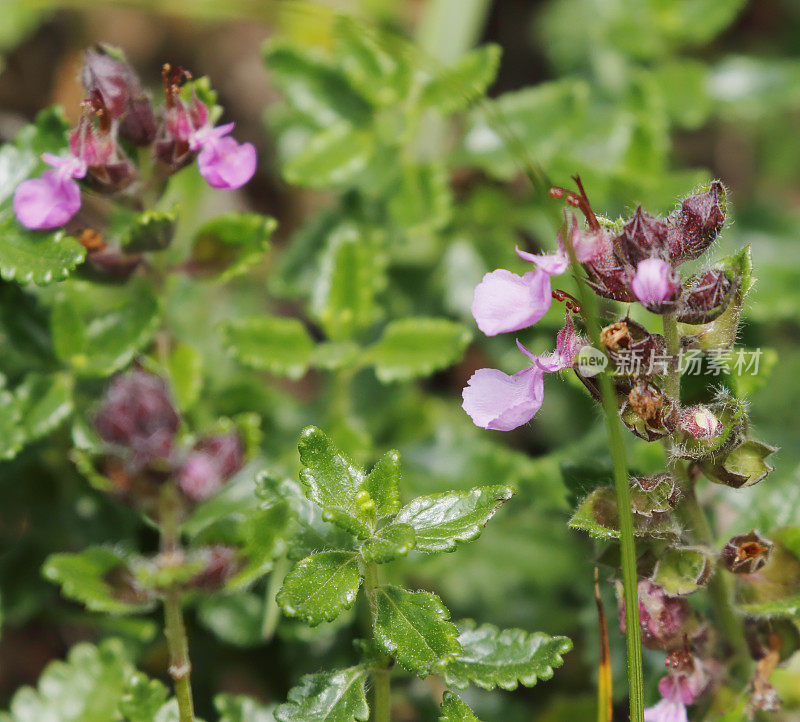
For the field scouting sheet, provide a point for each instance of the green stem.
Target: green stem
(627, 543)
(180, 666)
(272, 612)
(690, 511)
(381, 672)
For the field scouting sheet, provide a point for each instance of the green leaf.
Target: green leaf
(230, 245)
(491, 657)
(413, 628)
(383, 484)
(234, 618)
(98, 577)
(459, 85)
(391, 542)
(45, 402)
(441, 521)
(87, 687)
(12, 436)
(98, 331)
(314, 87)
(334, 157)
(270, 343)
(454, 710)
(15, 166)
(320, 587)
(333, 482)
(150, 231)
(683, 570)
(47, 133)
(241, 709)
(684, 86)
(421, 202)
(414, 347)
(185, 368)
(597, 515)
(338, 696)
(745, 465)
(351, 275)
(144, 699)
(39, 257)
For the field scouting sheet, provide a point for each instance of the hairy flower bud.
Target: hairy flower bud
(746, 553)
(705, 297)
(655, 284)
(137, 414)
(700, 423)
(138, 125)
(642, 237)
(695, 226)
(108, 77)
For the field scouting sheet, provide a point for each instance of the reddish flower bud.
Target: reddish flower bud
(138, 125)
(137, 414)
(746, 553)
(92, 147)
(221, 563)
(210, 464)
(700, 423)
(693, 229)
(226, 449)
(663, 619)
(110, 79)
(655, 284)
(705, 297)
(643, 236)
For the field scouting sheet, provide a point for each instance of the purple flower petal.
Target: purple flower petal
(505, 302)
(669, 709)
(46, 202)
(654, 281)
(495, 400)
(552, 264)
(226, 164)
(567, 346)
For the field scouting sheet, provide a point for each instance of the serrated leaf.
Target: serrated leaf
(39, 257)
(683, 570)
(143, 699)
(333, 157)
(270, 343)
(383, 484)
(241, 709)
(338, 696)
(391, 542)
(350, 277)
(150, 231)
(320, 587)
(85, 577)
(333, 482)
(414, 347)
(87, 687)
(98, 331)
(231, 244)
(441, 521)
(45, 402)
(459, 85)
(421, 202)
(453, 709)
(597, 515)
(413, 628)
(314, 87)
(492, 657)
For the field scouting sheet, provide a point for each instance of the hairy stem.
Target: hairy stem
(180, 666)
(627, 543)
(690, 511)
(381, 672)
(272, 612)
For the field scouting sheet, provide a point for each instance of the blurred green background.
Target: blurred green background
(645, 99)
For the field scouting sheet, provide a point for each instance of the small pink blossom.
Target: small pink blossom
(52, 199)
(678, 689)
(200, 476)
(223, 162)
(552, 264)
(504, 301)
(495, 400)
(568, 343)
(654, 281)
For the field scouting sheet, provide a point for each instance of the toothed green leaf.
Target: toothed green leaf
(338, 696)
(454, 710)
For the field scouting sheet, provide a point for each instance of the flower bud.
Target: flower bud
(642, 237)
(647, 412)
(746, 553)
(91, 147)
(705, 297)
(137, 414)
(700, 423)
(138, 126)
(655, 284)
(226, 449)
(221, 563)
(699, 221)
(210, 464)
(108, 77)
(632, 348)
(663, 619)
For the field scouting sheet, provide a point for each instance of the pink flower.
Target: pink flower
(679, 688)
(567, 346)
(51, 200)
(223, 162)
(654, 281)
(495, 400)
(552, 264)
(504, 301)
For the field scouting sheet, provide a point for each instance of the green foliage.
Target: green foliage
(454, 710)
(683, 570)
(414, 628)
(491, 657)
(150, 231)
(328, 697)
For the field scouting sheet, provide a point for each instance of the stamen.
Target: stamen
(571, 302)
(577, 200)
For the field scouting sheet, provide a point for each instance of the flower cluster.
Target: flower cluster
(138, 419)
(117, 118)
(635, 260)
